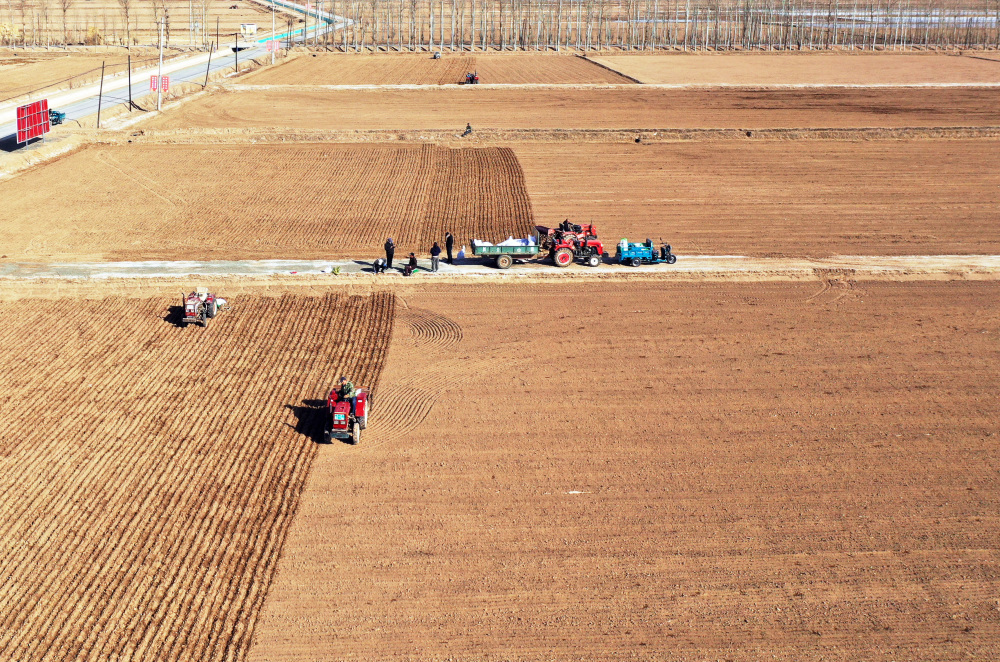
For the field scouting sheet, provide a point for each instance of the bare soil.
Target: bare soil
(805, 69)
(796, 198)
(150, 472)
(257, 202)
(422, 69)
(654, 471)
(21, 72)
(631, 108)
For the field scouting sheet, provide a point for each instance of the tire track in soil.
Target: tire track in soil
(148, 486)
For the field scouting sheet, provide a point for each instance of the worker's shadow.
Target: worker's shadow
(311, 419)
(175, 316)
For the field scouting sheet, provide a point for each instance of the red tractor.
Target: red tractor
(200, 306)
(472, 78)
(343, 424)
(570, 242)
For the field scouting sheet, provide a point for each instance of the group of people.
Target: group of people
(381, 266)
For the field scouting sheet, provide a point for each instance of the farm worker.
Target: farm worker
(379, 266)
(449, 245)
(411, 265)
(348, 393)
(468, 129)
(220, 303)
(435, 256)
(461, 253)
(390, 250)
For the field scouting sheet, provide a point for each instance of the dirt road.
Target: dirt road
(796, 471)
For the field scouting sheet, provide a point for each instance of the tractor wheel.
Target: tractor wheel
(671, 258)
(593, 260)
(563, 257)
(504, 261)
(211, 310)
(635, 262)
(355, 433)
(327, 436)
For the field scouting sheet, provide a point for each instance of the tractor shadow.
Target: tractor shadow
(311, 419)
(175, 316)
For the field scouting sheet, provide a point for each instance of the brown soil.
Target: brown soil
(634, 108)
(805, 69)
(269, 201)
(22, 72)
(151, 472)
(812, 198)
(421, 69)
(656, 471)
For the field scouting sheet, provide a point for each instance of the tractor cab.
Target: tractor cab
(343, 424)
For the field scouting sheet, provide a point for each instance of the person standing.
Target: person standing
(449, 245)
(435, 256)
(390, 250)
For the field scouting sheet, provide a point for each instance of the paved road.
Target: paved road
(83, 102)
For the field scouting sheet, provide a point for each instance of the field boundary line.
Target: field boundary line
(251, 87)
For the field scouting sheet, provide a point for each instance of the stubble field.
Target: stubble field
(777, 198)
(796, 471)
(631, 108)
(267, 201)
(421, 69)
(862, 69)
(150, 472)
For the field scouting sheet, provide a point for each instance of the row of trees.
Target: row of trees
(120, 22)
(570, 24)
(657, 24)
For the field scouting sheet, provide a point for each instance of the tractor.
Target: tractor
(570, 242)
(200, 306)
(472, 78)
(645, 253)
(343, 424)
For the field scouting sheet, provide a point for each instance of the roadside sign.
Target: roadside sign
(165, 82)
(152, 83)
(33, 120)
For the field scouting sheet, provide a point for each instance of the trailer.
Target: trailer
(504, 256)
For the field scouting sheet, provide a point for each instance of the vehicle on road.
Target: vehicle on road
(644, 253)
(570, 242)
(504, 256)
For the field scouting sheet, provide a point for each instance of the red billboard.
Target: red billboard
(32, 120)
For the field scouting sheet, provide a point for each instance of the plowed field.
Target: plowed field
(667, 472)
(806, 69)
(795, 198)
(302, 201)
(150, 472)
(638, 108)
(421, 69)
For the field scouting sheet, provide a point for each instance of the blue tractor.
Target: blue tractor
(645, 253)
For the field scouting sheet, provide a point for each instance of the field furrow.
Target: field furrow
(148, 485)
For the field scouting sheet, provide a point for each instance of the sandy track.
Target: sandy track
(675, 472)
(420, 69)
(151, 472)
(805, 68)
(304, 108)
(776, 199)
(256, 202)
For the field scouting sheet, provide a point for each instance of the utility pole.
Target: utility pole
(159, 72)
(274, 42)
(100, 95)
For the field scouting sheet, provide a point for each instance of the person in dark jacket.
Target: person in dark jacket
(411, 265)
(390, 250)
(449, 245)
(435, 256)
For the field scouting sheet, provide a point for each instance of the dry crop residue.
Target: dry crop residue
(268, 201)
(150, 472)
(636, 107)
(791, 198)
(390, 69)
